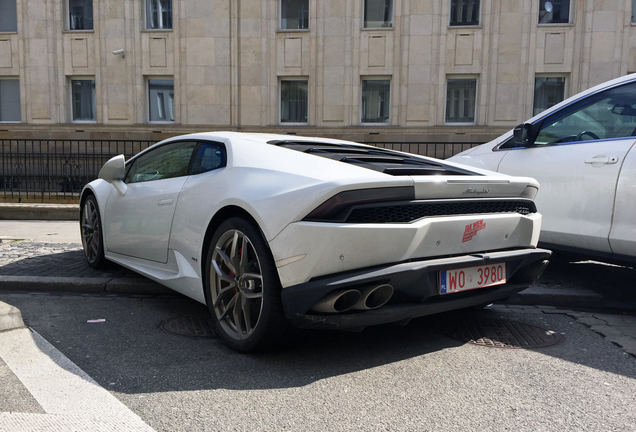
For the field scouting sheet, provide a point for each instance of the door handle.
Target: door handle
(602, 159)
(166, 201)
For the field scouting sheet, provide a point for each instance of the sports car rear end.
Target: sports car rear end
(451, 239)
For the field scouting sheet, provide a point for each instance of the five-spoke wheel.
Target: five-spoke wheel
(91, 230)
(243, 288)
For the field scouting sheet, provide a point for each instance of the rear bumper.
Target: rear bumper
(416, 291)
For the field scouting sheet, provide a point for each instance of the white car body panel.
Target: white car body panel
(328, 249)
(623, 233)
(588, 188)
(140, 220)
(577, 197)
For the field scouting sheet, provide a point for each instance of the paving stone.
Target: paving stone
(628, 344)
(592, 321)
(53, 260)
(627, 330)
(607, 331)
(616, 319)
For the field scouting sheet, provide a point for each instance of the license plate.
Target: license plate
(456, 280)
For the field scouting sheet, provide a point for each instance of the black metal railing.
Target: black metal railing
(49, 170)
(44, 170)
(437, 150)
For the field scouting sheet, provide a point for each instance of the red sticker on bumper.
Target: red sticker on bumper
(471, 230)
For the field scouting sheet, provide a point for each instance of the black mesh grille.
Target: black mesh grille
(413, 211)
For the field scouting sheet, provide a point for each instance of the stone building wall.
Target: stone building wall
(227, 58)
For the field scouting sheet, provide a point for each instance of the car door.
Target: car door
(576, 156)
(623, 234)
(138, 222)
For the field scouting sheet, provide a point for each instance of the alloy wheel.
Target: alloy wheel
(237, 284)
(90, 231)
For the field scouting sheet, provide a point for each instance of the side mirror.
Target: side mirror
(522, 135)
(114, 169)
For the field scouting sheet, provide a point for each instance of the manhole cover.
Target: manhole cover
(189, 325)
(501, 334)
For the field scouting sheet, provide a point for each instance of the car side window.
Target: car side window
(606, 115)
(167, 161)
(208, 156)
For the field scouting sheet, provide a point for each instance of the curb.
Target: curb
(57, 212)
(86, 285)
(10, 317)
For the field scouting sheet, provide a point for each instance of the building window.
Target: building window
(83, 100)
(376, 100)
(80, 14)
(460, 100)
(294, 14)
(548, 91)
(161, 100)
(10, 100)
(294, 101)
(464, 12)
(158, 14)
(378, 13)
(633, 10)
(554, 11)
(8, 16)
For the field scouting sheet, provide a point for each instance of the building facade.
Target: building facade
(368, 70)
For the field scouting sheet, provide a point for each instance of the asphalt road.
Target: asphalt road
(384, 378)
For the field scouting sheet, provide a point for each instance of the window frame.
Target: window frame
(170, 111)
(534, 95)
(15, 2)
(389, 104)
(388, 27)
(158, 151)
(570, 108)
(72, 100)
(569, 21)
(577, 106)
(147, 14)
(198, 144)
(69, 19)
(461, 78)
(280, 100)
(10, 78)
(450, 16)
(280, 19)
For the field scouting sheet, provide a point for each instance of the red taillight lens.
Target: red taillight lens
(330, 209)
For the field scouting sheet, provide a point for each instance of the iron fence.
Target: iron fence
(49, 170)
(45, 170)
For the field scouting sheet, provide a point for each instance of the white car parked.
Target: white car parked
(582, 153)
(273, 230)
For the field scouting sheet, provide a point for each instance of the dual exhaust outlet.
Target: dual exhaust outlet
(363, 298)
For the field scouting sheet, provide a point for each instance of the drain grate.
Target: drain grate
(501, 334)
(198, 326)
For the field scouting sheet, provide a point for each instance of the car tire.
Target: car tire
(243, 289)
(92, 234)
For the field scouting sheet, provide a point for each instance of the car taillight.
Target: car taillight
(330, 209)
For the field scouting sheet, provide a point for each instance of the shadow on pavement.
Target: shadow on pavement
(612, 282)
(129, 353)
